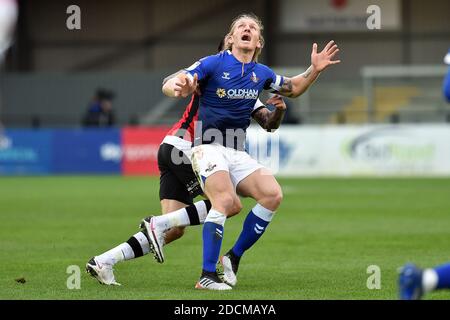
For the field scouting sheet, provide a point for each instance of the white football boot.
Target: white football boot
(156, 237)
(230, 264)
(211, 282)
(103, 272)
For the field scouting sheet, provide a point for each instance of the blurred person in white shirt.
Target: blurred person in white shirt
(8, 18)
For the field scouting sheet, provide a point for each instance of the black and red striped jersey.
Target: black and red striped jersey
(184, 128)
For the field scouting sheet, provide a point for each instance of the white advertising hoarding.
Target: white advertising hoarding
(372, 150)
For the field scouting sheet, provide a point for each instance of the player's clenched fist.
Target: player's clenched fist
(277, 101)
(183, 86)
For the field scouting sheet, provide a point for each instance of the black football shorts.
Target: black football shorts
(176, 181)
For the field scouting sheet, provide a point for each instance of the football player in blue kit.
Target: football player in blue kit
(414, 282)
(231, 82)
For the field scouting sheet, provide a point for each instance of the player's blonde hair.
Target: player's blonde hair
(254, 17)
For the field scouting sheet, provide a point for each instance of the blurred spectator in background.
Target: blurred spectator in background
(446, 85)
(100, 112)
(8, 17)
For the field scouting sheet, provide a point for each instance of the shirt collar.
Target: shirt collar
(246, 64)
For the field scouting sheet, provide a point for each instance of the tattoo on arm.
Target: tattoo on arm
(261, 115)
(286, 87)
(269, 120)
(307, 72)
(287, 84)
(299, 83)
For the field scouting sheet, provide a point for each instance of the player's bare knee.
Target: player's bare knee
(274, 198)
(224, 203)
(278, 198)
(237, 207)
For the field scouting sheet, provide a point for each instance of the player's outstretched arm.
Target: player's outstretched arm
(294, 87)
(271, 120)
(172, 76)
(180, 86)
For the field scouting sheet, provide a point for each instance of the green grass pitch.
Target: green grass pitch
(319, 246)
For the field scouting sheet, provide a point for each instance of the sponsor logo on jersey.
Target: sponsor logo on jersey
(242, 94)
(238, 93)
(221, 93)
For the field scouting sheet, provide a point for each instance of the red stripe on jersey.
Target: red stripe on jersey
(184, 128)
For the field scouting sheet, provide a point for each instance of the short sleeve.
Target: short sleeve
(273, 81)
(203, 68)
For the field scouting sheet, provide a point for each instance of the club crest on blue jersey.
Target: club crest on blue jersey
(254, 78)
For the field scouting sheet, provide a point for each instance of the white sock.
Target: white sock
(429, 280)
(263, 213)
(135, 247)
(216, 217)
(202, 211)
(143, 244)
(120, 253)
(182, 217)
(178, 218)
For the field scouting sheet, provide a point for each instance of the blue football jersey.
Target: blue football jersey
(230, 90)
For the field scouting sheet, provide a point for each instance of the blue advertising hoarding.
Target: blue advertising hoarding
(60, 151)
(25, 152)
(87, 151)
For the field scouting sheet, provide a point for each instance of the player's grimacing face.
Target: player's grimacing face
(246, 34)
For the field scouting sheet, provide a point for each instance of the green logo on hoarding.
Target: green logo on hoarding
(388, 144)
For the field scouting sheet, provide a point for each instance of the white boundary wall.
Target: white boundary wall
(368, 150)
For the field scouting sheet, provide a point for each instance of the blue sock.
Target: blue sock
(254, 226)
(212, 239)
(443, 273)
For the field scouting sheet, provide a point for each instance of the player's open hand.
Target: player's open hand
(183, 86)
(277, 101)
(323, 59)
